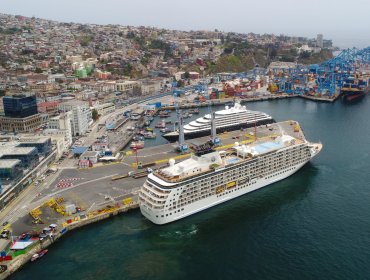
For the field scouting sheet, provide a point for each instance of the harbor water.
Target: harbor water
(312, 225)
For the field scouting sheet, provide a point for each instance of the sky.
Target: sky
(346, 22)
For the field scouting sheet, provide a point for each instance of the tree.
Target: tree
(273, 53)
(180, 83)
(38, 70)
(305, 55)
(95, 114)
(186, 75)
(85, 40)
(130, 35)
(127, 69)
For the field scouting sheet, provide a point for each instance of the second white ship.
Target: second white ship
(229, 119)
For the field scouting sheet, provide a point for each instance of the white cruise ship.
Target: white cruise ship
(198, 183)
(230, 119)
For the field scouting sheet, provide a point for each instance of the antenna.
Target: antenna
(213, 126)
(214, 138)
(182, 146)
(181, 131)
(255, 128)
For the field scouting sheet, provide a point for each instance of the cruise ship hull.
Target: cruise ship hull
(174, 136)
(214, 200)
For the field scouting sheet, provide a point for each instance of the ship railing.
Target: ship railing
(157, 195)
(150, 200)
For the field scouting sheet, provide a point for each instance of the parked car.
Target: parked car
(5, 234)
(42, 236)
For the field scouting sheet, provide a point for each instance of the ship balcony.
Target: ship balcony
(150, 200)
(150, 205)
(150, 193)
(155, 190)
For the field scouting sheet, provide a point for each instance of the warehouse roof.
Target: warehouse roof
(9, 163)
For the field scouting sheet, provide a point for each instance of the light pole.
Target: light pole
(137, 162)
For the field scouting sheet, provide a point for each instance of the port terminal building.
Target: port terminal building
(10, 169)
(22, 160)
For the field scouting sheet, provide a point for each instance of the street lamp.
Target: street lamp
(137, 162)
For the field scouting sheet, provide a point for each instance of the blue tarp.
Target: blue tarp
(79, 150)
(110, 126)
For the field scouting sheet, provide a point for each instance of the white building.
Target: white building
(59, 140)
(149, 87)
(104, 109)
(125, 86)
(320, 40)
(306, 48)
(62, 121)
(80, 115)
(62, 125)
(57, 134)
(91, 156)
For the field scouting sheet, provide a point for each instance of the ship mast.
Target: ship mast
(213, 126)
(255, 128)
(181, 145)
(181, 130)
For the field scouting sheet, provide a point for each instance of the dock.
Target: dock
(216, 102)
(108, 190)
(329, 99)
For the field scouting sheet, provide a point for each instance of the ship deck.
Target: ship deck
(264, 143)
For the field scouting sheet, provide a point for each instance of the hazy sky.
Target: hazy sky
(346, 22)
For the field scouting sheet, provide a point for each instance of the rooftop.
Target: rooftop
(73, 103)
(20, 95)
(9, 163)
(105, 105)
(90, 154)
(38, 140)
(15, 151)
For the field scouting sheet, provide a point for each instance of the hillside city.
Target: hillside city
(48, 57)
(99, 120)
